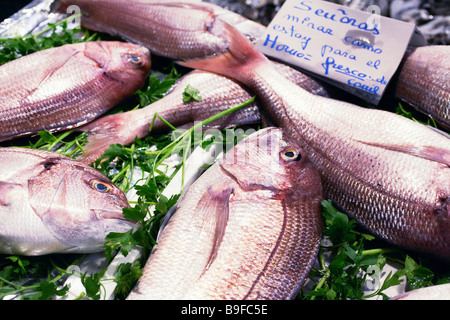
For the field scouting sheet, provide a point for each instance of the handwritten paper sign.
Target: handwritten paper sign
(355, 48)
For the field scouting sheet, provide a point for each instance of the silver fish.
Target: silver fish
(248, 228)
(53, 204)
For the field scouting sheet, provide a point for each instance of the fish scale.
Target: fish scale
(64, 87)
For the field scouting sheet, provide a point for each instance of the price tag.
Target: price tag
(356, 50)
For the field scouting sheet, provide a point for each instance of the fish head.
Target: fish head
(77, 204)
(270, 159)
(126, 63)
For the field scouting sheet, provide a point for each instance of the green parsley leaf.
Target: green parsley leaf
(418, 276)
(126, 277)
(191, 94)
(92, 285)
(115, 240)
(157, 87)
(338, 227)
(49, 289)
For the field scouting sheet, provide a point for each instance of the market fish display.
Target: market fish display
(53, 204)
(248, 228)
(218, 93)
(67, 86)
(390, 173)
(424, 82)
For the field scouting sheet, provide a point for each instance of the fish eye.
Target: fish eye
(290, 155)
(100, 186)
(136, 60)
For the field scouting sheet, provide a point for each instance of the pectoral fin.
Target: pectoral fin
(431, 153)
(59, 59)
(214, 206)
(5, 188)
(49, 203)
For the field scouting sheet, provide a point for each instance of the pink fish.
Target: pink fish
(68, 86)
(53, 204)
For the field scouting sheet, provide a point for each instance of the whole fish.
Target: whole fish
(390, 173)
(149, 23)
(53, 204)
(248, 228)
(218, 93)
(424, 82)
(437, 292)
(67, 86)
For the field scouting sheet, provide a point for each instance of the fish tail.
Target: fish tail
(237, 62)
(112, 129)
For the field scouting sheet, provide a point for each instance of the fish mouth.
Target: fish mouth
(112, 214)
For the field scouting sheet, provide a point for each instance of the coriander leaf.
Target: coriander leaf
(149, 190)
(21, 263)
(14, 48)
(135, 213)
(392, 279)
(116, 151)
(331, 294)
(49, 289)
(161, 205)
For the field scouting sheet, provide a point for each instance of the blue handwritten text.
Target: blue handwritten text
(285, 48)
(293, 34)
(330, 64)
(311, 25)
(361, 44)
(340, 16)
(368, 88)
(329, 49)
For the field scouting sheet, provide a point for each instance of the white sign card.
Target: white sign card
(358, 49)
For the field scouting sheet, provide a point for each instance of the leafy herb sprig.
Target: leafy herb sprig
(352, 267)
(13, 48)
